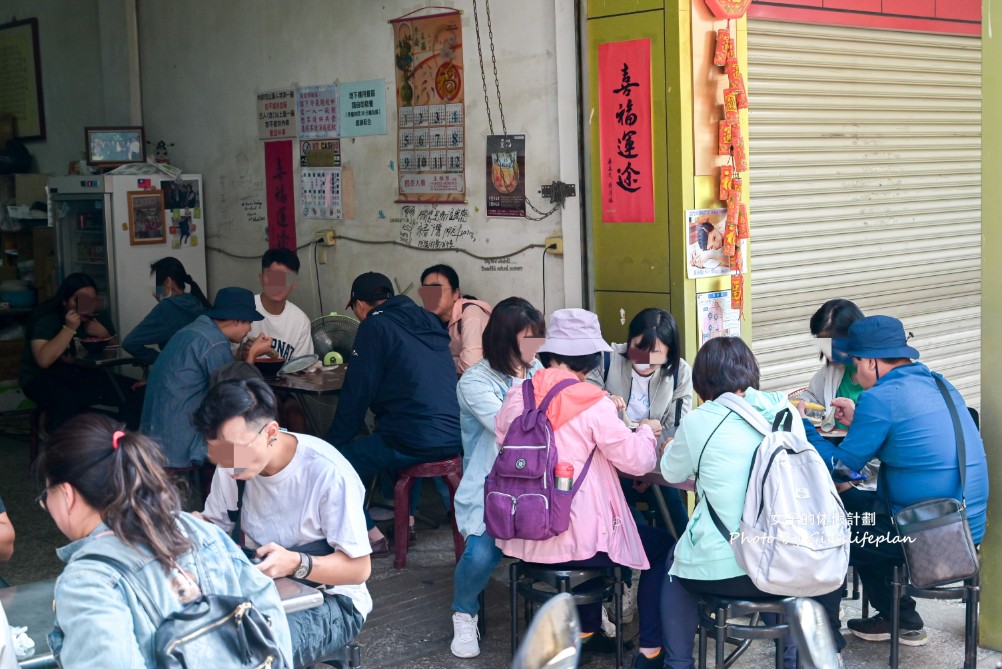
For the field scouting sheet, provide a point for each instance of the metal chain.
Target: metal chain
(483, 75)
(542, 214)
(494, 63)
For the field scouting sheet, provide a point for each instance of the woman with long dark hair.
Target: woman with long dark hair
(107, 491)
(61, 389)
(175, 309)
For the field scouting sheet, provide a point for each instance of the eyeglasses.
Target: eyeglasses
(215, 443)
(42, 499)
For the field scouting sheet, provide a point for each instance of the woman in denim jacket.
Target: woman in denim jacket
(509, 359)
(107, 491)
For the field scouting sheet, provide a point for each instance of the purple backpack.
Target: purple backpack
(520, 498)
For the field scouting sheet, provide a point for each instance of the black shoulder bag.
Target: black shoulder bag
(935, 535)
(212, 631)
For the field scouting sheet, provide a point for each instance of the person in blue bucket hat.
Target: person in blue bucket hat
(180, 380)
(902, 419)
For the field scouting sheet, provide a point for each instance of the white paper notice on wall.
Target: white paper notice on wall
(276, 114)
(321, 192)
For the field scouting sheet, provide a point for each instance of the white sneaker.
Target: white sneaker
(608, 628)
(465, 635)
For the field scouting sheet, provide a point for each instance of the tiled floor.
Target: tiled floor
(411, 627)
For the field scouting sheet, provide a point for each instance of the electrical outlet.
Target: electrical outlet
(559, 241)
(328, 237)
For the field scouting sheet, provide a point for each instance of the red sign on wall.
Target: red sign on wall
(625, 137)
(281, 202)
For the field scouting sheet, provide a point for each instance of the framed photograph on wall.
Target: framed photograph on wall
(146, 217)
(114, 146)
(21, 74)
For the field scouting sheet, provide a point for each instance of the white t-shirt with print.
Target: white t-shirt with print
(290, 330)
(639, 406)
(316, 496)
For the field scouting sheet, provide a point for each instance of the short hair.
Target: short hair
(651, 324)
(577, 363)
(724, 365)
(250, 399)
(446, 271)
(703, 234)
(282, 257)
(835, 317)
(500, 338)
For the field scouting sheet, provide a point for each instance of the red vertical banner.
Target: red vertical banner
(278, 186)
(625, 137)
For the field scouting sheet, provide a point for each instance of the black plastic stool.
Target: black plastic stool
(537, 583)
(714, 613)
(968, 591)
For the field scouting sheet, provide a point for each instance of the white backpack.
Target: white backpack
(793, 539)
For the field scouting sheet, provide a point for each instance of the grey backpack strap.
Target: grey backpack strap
(740, 406)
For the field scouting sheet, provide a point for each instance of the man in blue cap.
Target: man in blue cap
(903, 420)
(180, 380)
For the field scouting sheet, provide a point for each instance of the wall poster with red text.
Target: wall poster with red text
(431, 120)
(281, 198)
(625, 131)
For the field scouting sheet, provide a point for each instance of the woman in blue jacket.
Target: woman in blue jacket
(107, 491)
(175, 309)
(509, 359)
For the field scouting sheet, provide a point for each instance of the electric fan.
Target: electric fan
(334, 333)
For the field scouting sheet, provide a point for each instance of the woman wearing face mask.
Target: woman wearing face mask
(175, 310)
(834, 379)
(509, 359)
(648, 379)
(838, 379)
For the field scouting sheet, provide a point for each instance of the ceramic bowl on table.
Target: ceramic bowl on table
(95, 344)
(269, 366)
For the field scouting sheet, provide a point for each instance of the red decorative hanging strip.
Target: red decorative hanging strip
(728, 9)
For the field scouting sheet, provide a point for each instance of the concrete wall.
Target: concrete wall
(991, 322)
(202, 63)
(73, 89)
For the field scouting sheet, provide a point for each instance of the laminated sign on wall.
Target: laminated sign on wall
(276, 114)
(316, 107)
(321, 192)
(428, 56)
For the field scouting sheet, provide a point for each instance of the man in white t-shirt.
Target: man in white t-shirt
(286, 324)
(300, 511)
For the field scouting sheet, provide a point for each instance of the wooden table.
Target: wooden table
(657, 480)
(31, 605)
(325, 383)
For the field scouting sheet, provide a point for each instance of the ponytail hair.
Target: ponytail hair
(121, 475)
(171, 268)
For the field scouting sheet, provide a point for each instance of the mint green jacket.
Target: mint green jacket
(702, 553)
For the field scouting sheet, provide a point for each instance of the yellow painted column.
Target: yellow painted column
(991, 321)
(643, 265)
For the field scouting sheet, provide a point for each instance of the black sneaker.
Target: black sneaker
(878, 628)
(641, 661)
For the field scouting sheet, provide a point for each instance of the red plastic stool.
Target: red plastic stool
(452, 471)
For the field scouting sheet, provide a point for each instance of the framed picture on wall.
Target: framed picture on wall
(21, 74)
(146, 217)
(110, 147)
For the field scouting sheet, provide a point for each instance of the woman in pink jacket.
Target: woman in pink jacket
(602, 532)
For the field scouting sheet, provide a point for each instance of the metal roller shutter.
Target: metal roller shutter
(865, 150)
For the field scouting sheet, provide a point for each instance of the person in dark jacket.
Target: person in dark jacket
(175, 309)
(402, 370)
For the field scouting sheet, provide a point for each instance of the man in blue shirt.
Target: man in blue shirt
(402, 370)
(180, 380)
(903, 420)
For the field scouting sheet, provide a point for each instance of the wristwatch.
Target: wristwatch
(305, 564)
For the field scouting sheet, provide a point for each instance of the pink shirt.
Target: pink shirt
(600, 518)
(467, 347)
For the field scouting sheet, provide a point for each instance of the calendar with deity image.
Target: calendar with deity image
(431, 123)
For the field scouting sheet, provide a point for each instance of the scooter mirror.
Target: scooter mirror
(553, 640)
(815, 645)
